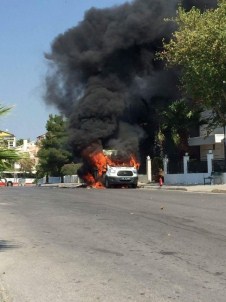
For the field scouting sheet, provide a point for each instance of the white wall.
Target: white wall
(71, 179)
(188, 179)
(67, 179)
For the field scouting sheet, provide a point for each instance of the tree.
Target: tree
(54, 151)
(19, 142)
(178, 120)
(26, 164)
(198, 47)
(4, 110)
(7, 158)
(70, 169)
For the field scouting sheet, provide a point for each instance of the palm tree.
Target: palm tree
(177, 122)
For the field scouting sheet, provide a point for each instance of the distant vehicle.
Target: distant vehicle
(2, 182)
(15, 178)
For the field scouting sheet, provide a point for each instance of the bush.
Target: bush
(70, 169)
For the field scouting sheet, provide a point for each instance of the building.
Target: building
(7, 140)
(31, 148)
(213, 141)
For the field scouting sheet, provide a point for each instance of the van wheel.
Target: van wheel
(107, 183)
(134, 186)
(9, 184)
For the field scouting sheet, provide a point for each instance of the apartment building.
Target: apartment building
(213, 141)
(7, 140)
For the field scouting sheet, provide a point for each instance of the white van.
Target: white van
(119, 176)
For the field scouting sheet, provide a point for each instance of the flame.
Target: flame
(134, 162)
(89, 179)
(99, 161)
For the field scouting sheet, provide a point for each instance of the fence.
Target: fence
(71, 179)
(218, 165)
(175, 166)
(54, 180)
(195, 166)
(193, 171)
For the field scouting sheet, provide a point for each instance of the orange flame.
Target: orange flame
(89, 179)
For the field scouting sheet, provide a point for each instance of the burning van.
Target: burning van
(120, 171)
(121, 176)
(108, 168)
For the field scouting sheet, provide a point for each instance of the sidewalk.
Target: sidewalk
(155, 186)
(189, 188)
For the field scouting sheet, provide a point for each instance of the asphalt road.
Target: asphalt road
(111, 245)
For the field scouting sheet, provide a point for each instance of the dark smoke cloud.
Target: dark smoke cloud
(201, 4)
(103, 75)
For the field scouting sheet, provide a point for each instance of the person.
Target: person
(161, 175)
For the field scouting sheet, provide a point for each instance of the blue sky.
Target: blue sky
(27, 29)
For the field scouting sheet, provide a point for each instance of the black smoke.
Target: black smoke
(104, 77)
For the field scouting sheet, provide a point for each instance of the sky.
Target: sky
(28, 28)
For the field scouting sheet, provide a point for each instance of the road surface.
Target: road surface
(111, 245)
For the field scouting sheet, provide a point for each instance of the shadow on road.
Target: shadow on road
(5, 245)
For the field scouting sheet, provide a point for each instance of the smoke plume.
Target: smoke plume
(103, 75)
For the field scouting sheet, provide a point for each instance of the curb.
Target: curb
(144, 186)
(162, 188)
(185, 189)
(218, 191)
(175, 189)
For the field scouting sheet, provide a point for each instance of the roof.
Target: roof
(6, 134)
